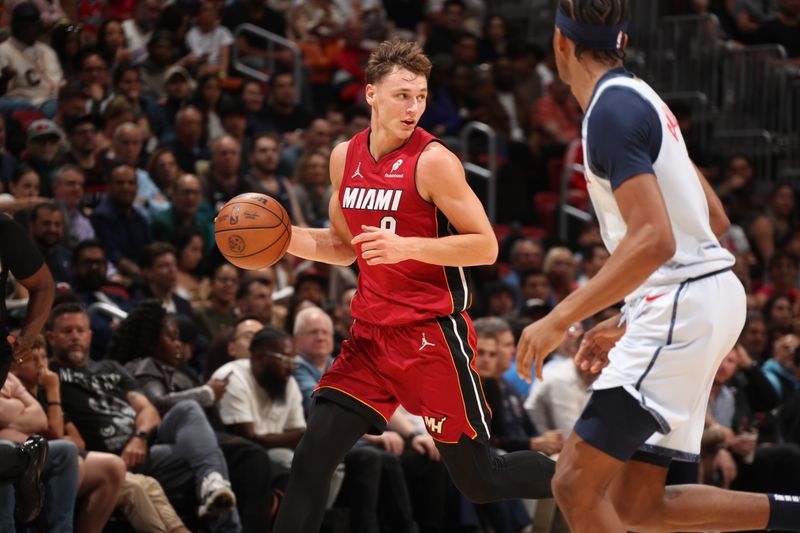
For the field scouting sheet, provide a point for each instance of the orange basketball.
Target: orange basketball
(253, 231)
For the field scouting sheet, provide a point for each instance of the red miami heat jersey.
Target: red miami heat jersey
(384, 194)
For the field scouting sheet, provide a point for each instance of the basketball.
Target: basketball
(253, 231)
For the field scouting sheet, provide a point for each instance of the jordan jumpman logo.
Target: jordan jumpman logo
(425, 343)
(357, 173)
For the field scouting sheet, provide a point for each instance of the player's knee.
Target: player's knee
(564, 484)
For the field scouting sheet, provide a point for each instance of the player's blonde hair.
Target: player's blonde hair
(396, 53)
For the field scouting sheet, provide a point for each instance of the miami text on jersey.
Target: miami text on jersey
(372, 199)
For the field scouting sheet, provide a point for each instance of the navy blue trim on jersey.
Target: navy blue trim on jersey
(669, 453)
(624, 135)
(651, 458)
(615, 423)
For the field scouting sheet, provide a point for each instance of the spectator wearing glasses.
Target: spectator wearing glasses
(263, 402)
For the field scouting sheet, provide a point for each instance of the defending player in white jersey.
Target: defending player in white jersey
(683, 312)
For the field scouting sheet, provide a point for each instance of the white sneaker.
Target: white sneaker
(216, 496)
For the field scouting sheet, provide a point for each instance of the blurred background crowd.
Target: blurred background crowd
(125, 126)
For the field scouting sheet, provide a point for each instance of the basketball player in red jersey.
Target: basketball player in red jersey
(402, 208)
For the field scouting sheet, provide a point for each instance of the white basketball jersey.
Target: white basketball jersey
(697, 249)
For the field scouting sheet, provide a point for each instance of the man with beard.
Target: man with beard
(139, 29)
(91, 285)
(44, 140)
(121, 229)
(46, 226)
(263, 402)
(112, 415)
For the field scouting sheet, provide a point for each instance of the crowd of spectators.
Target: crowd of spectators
(174, 386)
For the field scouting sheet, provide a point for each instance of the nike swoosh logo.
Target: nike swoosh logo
(654, 297)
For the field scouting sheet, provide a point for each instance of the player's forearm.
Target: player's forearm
(322, 245)
(454, 250)
(638, 255)
(40, 301)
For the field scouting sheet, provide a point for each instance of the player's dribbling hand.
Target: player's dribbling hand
(592, 354)
(535, 344)
(380, 246)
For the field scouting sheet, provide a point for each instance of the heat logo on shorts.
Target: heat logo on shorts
(371, 199)
(434, 425)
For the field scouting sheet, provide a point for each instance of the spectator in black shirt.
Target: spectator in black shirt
(188, 145)
(121, 229)
(47, 229)
(112, 415)
(284, 112)
(224, 181)
(91, 285)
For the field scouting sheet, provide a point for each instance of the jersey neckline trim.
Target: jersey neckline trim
(613, 73)
(387, 154)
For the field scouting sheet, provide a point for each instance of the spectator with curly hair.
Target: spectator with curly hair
(149, 329)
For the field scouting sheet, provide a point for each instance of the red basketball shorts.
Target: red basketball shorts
(428, 367)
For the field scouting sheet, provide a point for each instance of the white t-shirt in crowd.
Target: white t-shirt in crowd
(210, 43)
(38, 71)
(246, 401)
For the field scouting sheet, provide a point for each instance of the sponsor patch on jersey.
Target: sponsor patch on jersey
(371, 199)
(392, 173)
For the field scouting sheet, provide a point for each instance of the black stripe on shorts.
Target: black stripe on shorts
(456, 334)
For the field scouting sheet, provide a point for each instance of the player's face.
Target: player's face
(398, 101)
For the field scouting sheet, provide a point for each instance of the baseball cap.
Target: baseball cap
(43, 128)
(180, 71)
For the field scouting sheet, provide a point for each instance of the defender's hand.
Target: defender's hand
(537, 342)
(380, 246)
(597, 342)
